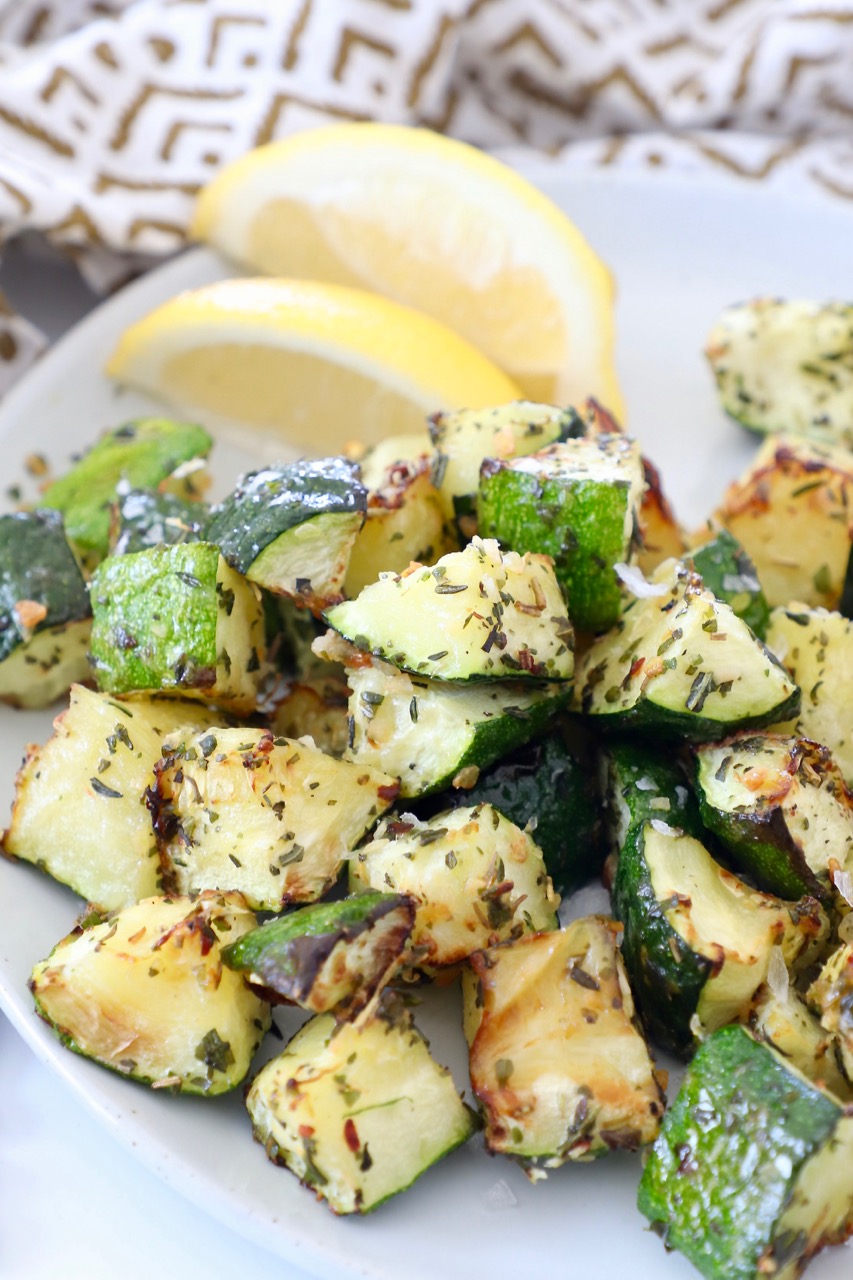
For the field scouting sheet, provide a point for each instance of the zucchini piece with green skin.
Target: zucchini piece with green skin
(144, 454)
(429, 733)
(144, 992)
(831, 998)
(142, 518)
(477, 614)
(273, 818)
(816, 648)
(641, 784)
(474, 875)
(45, 615)
(557, 1063)
(753, 1171)
(577, 502)
(330, 957)
(786, 366)
(728, 572)
(78, 814)
(781, 808)
(180, 620)
(698, 941)
(462, 439)
(291, 528)
(785, 1022)
(680, 664)
(358, 1110)
(546, 788)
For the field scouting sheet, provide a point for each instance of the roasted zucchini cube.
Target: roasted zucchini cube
(785, 1021)
(142, 518)
(329, 957)
(753, 1171)
(291, 528)
(786, 367)
(789, 511)
(476, 879)
(642, 784)
(45, 616)
(475, 615)
(661, 536)
(145, 993)
(357, 1110)
(79, 811)
(727, 571)
(681, 664)
(698, 942)
(409, 450)
(149, 453)
(273, 818)
(557, 1063)
(179, 620)
(315, 708)
(433, 734)
(405, 522)
(577, 502)
(816, 648)
(831, 997)
(781, 808)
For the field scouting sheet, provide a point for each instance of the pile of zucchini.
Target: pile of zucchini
(360, 725)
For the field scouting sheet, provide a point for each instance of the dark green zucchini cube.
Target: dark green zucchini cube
(578, 502)
(728, 572)
(142, 518)
(144, 454)
(753, 1169)
(178, 619)
(45, 616)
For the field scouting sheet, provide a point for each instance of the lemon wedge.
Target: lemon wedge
(437, 225)
(317, 365)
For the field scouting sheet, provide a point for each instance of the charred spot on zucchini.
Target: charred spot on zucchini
(145, 993)
(557, 1063)
(291, 528)
(753, 1171)
(357, 1110)
(45, 616)
(329, 957)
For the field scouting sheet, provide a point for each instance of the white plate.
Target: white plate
(680, 251)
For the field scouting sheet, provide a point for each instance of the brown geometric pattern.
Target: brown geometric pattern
(113, 114)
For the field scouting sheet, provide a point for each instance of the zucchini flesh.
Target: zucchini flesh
(357, 1110)
(474, 876)
(785, 1022)
(753, 1170)
(831, 997)
(475, 615)
(145, 993)
(559, 1068)
(680, 663)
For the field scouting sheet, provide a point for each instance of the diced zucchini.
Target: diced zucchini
(475, 876)
(405, 522)
(816, 647)
(45, 617)
(270, 817)
(143, 454)
(462, 439)
(332, 956)
(753, 1171)
(407, 450)
(698, 941)
(142, 518)
(577, 502)
(357, 1110)
(831, 997)
(547, 788)
(79, 812)
(661, 536)
(681, 664)
(429, 733)
(786, 366)
(781, 808)
(316, 708)
(291, 528)
(789, 511)
(728, 572)
(785, 1022)
(177, 619)
(559, 1068)
(145, 993)
(642, 784)
(475, 615)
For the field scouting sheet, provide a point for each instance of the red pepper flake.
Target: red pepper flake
(306, 1131)
(351, 1136)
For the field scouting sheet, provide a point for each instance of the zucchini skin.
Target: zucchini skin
(727, 571)
(738, 1101)
(141, 519)
(37, 566)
